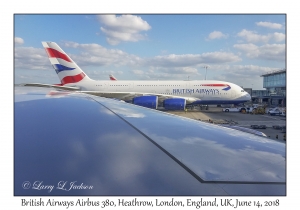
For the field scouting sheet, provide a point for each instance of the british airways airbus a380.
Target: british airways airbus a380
(172, 95)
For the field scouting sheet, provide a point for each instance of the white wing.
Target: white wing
(126, 96)
(52, 86)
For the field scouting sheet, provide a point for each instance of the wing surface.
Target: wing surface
(51, 86)
(123, 149)
(126, 96)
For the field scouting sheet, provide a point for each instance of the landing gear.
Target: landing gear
(203, 107)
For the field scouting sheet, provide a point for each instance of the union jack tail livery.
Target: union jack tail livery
(111, 77)
(66, 69)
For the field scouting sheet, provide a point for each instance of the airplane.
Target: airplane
(172, 95)
(112, 77)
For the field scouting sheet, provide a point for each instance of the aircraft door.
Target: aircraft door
(131, 85)
(199, 92)
(233, 94)
(105, 86)
(187, 85)
(187, 90)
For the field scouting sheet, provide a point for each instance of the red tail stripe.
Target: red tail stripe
(215, 85)
(72, 79)
(52, 53)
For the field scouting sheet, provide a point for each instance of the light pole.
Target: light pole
(251, 92)
(205, 70)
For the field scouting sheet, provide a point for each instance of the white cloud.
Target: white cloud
(274, 52)
(249, 49)
(166, 73)
(189, 70)
(278, 37)
(31, 58)
(189, 60)
(240, 70)
(167, 67)
(19, 41)
(251, 36)
(123, 28)
(270, 25)
(216, 35)
(171, 67)
(160, 75)
(138, 72)
(243, 75)
(176, 70)
(90, 55)
(96, 55)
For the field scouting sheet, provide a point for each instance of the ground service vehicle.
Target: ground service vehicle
(233, 109)
(259, 110)
(274, 111)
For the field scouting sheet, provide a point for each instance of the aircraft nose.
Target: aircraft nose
(248, 97)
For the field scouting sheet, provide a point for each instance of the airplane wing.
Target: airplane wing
(51, 86)
(127, 96)
(78, 144)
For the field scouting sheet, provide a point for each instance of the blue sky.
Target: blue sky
(236, 48)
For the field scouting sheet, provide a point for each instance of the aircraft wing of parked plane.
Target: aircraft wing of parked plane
(59, 86)
(172, 95)
(117, 149)
(128, 96)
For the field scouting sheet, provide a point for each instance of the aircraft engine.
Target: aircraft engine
(146, 101)
(174, 104)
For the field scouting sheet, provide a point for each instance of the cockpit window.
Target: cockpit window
(242, 91)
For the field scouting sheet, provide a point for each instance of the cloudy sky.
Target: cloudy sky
(235, 48)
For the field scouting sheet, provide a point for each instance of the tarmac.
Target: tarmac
(217, 116)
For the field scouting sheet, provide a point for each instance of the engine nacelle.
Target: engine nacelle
(146, 101)
(174, 104)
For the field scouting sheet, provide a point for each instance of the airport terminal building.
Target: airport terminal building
(275, 93)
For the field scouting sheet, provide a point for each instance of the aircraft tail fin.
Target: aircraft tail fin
(111, 77)
(66, 69)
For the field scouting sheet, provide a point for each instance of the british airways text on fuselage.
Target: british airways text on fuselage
(200, 91)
